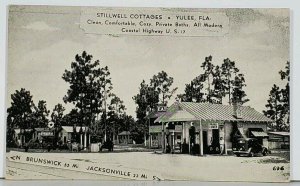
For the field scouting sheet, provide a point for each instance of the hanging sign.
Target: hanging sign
(46, 133)
(213, 126)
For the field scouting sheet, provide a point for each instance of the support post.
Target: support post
(117, 142)
(183, 131)
(201, 139)
(84, 147)
(162, 137)
(173, 142)
(89, 140)
(149, 134)
(225, 144)
(80, 140)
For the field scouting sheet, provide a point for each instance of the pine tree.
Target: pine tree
(161, 83)
(218, 83)
(90, 85)
(208, 68)
(274, 108)
(229, 72)
(40, 115)
(238, 94)
(278, 104)
(193, 91)
(215, 83)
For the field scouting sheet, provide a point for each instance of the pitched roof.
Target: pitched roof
(155, 114)
(259, 133)
(280, 133)
(209, 111)
(42, 129)
(70, 128)
(18, 130)
(124, 133)
(181, 115)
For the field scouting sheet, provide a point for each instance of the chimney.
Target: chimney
(237, 113)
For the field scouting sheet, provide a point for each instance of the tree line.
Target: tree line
(96, 106)
(213, 85)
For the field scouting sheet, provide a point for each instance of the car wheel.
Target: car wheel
(238, 155)
(251, 154)
(265, 152)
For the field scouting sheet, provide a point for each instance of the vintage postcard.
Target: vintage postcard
(148, 94)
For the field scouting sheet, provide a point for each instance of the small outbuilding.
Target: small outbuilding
(279, 140)
(154, 140)
(125, 137)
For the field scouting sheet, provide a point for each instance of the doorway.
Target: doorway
(215, 142)
(205, 142)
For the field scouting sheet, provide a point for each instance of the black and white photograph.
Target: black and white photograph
(148, 93)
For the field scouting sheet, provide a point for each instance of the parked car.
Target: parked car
(107, 145)
(249, 147)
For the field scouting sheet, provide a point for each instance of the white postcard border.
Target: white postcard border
(295, 46)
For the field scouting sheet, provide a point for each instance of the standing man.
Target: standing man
(222, 143)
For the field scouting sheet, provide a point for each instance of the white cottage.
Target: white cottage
(206, 128)
(83, 132)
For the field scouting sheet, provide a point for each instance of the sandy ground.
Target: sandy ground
(168, 166)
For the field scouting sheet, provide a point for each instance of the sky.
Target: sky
(43, 42)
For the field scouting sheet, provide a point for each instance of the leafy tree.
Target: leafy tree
(274, 108)
(147, 98)
(219, 86)
(278, 104)
(89, 86)
(215, 83)
(72, 118)
(193, 91)
(285, 95)
(285, 99)
(41, 114)
(116, 105)
(285, 75)
(24, 114)
(229, 72)
(57, 115)
(159, 91)
(21, 110)
(137, 130)
(10, 141)
(161, 83)
(116, 113)
(238, 94)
